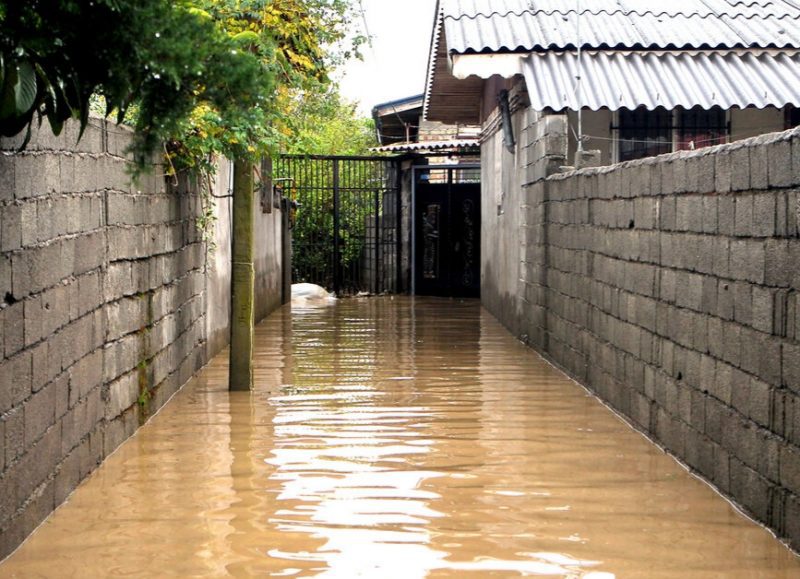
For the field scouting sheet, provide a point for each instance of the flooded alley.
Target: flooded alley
(394, 437)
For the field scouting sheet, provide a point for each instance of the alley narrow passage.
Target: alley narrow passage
(394, 437)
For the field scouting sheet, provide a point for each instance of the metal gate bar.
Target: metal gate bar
(347, 235)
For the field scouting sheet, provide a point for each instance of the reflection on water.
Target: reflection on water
(394, 438)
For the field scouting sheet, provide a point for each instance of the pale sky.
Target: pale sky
(395, 66)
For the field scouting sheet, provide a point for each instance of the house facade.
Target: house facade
(647, 80)
(613, 80)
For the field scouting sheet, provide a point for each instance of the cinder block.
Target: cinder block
(13, 328)
(68, 475)
(90, 252)
(720, 256)
(750, 489)
(689, 213)
(779, 268)
(758, 167)
(85, 375)
(123, 394)
(722, 171)
(721, 467)
(66, 165)
(708, 212)
(705, 164)
(740, 169)
(80, 420)
(721, 387)
(733, 344)
(764, 215)
(726, 214)
(5, 281)
(779, 159)
(14, 433)
(29, 223)
(748, 259)
(744, 216)
(7, 177)
(743, 302)
(667, 213)
(785, 214)
(769, 349)
(763, 300)
(725, 301)
(40, 414)
(11, 229)
(654, 170)
(89, 296)
(33, 320)
(792, 521)
(61, 385)
(790, 468)
(791, 366)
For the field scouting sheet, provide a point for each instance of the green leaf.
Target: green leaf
(246, 38)
(25, 88)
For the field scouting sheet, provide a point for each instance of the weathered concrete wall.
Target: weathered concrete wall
(512, 238)
(268, 265)
(670, 287)
(268, 262)
(104, 294)
(218, 264)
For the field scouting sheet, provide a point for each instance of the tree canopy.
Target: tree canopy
(205, 76)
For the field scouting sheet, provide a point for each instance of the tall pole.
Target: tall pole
(240, 375)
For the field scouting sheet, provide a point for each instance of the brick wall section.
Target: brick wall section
(671, 287)
(102, 307)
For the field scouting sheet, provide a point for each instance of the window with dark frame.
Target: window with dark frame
(699, 127)
(644, 133)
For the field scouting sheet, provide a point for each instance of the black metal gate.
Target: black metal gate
(346, 235)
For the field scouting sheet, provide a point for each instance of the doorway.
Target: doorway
(447, 231)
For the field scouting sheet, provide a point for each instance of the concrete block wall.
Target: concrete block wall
(104, 287)
(671, 287)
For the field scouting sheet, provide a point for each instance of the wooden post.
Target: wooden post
(240, 375)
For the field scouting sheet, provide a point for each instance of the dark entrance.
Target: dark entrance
(346, 235)
(448, 232)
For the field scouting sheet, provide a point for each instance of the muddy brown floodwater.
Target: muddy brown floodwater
(394, 438)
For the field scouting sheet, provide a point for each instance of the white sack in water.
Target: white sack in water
(309, 294)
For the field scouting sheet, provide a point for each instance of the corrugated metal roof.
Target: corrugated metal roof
(670, 79)
(547, 29)
(454, 144)
(511, 25)
(472, 8)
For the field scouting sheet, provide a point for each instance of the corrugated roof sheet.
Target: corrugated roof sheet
(620, 28)
(632, 79)
(472, 8)
(523, 25)
(454, 144)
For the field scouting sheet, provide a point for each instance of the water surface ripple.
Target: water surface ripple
(394, 437)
